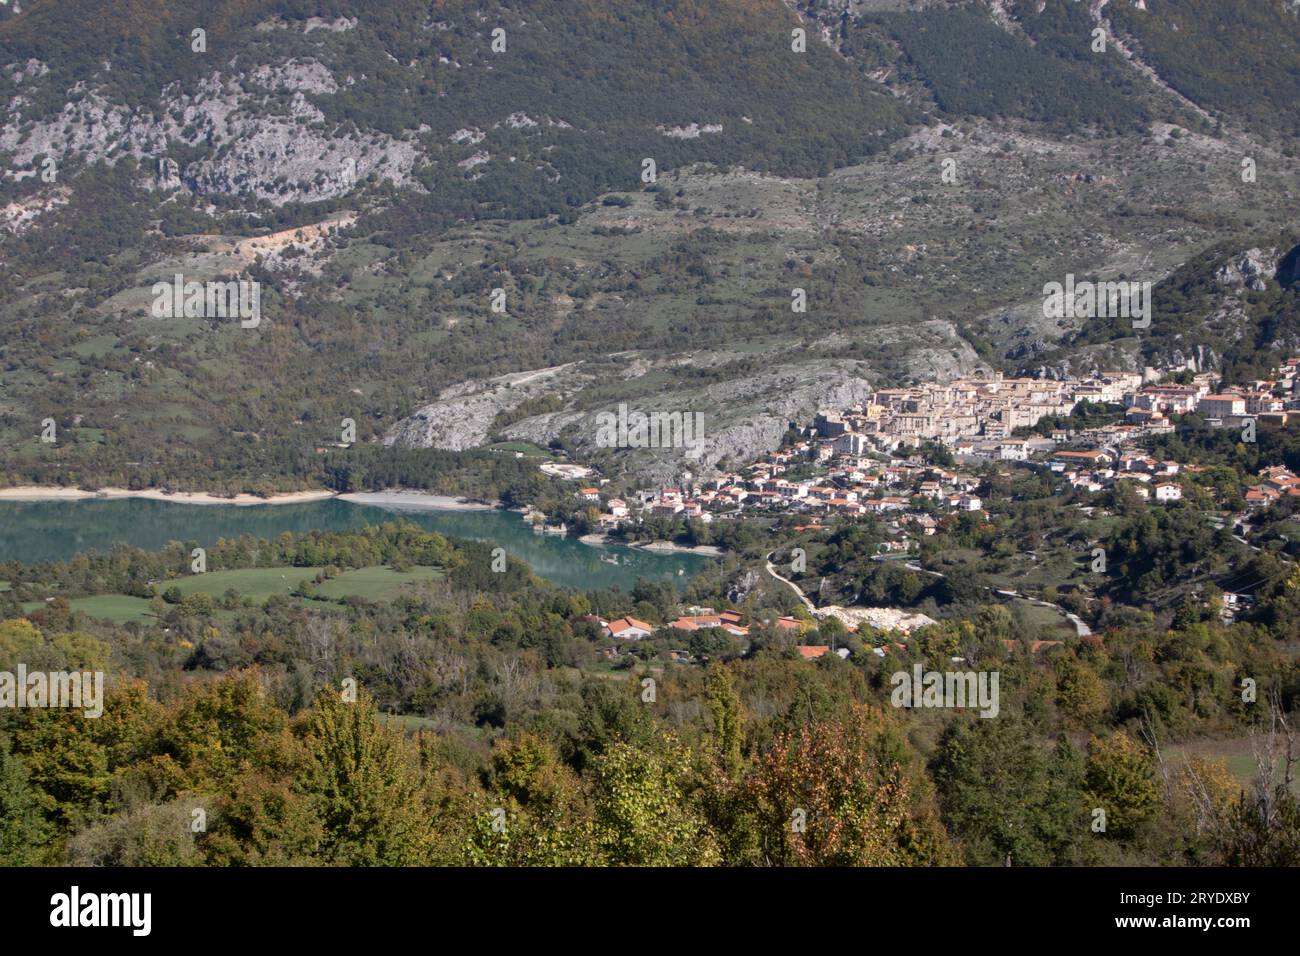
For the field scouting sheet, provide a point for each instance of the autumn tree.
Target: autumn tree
(1080, 693)
(842, 791)
(1121, 781)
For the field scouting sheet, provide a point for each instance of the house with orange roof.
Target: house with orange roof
(1085, 458)
(727, 621)
(1260, 497)
(629, 628)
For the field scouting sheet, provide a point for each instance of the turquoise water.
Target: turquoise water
(55, 530)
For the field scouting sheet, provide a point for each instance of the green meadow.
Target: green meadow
(376, 583)
(117, 608)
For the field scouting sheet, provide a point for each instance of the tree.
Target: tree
(841, 792)
(363, 785)
(198, 604)
(22, 831)
(643, 815)
(1006, 797)
(536, 814)
(728, 717)
(152, 834)
(1263, 826)
(1122, 782)
(609, 715)
(226, 729)
(1080, 693)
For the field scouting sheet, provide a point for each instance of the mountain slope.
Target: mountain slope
(380, 170)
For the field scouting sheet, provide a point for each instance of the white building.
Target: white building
(1013, 449)
(1168, 491)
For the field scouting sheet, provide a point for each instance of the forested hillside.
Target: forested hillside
(1235, 57)
(567, 110)
(481, 719)
(974, 67)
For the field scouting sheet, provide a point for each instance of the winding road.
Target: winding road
(1080, 628)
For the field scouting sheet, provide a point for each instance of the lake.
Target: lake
(33, 531)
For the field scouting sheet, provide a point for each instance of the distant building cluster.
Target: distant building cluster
(972, 415)
(849, 462)
(699, 618)
(1274, 400)
(1275, 484)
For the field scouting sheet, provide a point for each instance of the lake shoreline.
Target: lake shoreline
(59, 530)
(663, 547)
(52, 493)
(416, 500)
(396, 498)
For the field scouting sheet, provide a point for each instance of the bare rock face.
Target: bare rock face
(452, 424)
(261, 134)
(463, 414)
(19, 216)
(1249, 270)
(168, 176)
(738, 420)
(937, 353)
(744, 584)
(732, 421)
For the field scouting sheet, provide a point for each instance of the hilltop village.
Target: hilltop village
(879, 459)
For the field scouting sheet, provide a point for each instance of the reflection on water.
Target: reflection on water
(54, 530)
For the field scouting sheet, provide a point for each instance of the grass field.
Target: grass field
(118, 608)
(373, 583)
(1045, 617)
(527, 449)
(1235, 752)
(256, 583)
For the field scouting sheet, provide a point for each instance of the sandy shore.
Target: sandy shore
(707, 550)
(41, 493)
(383, 499)
(414, 499)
